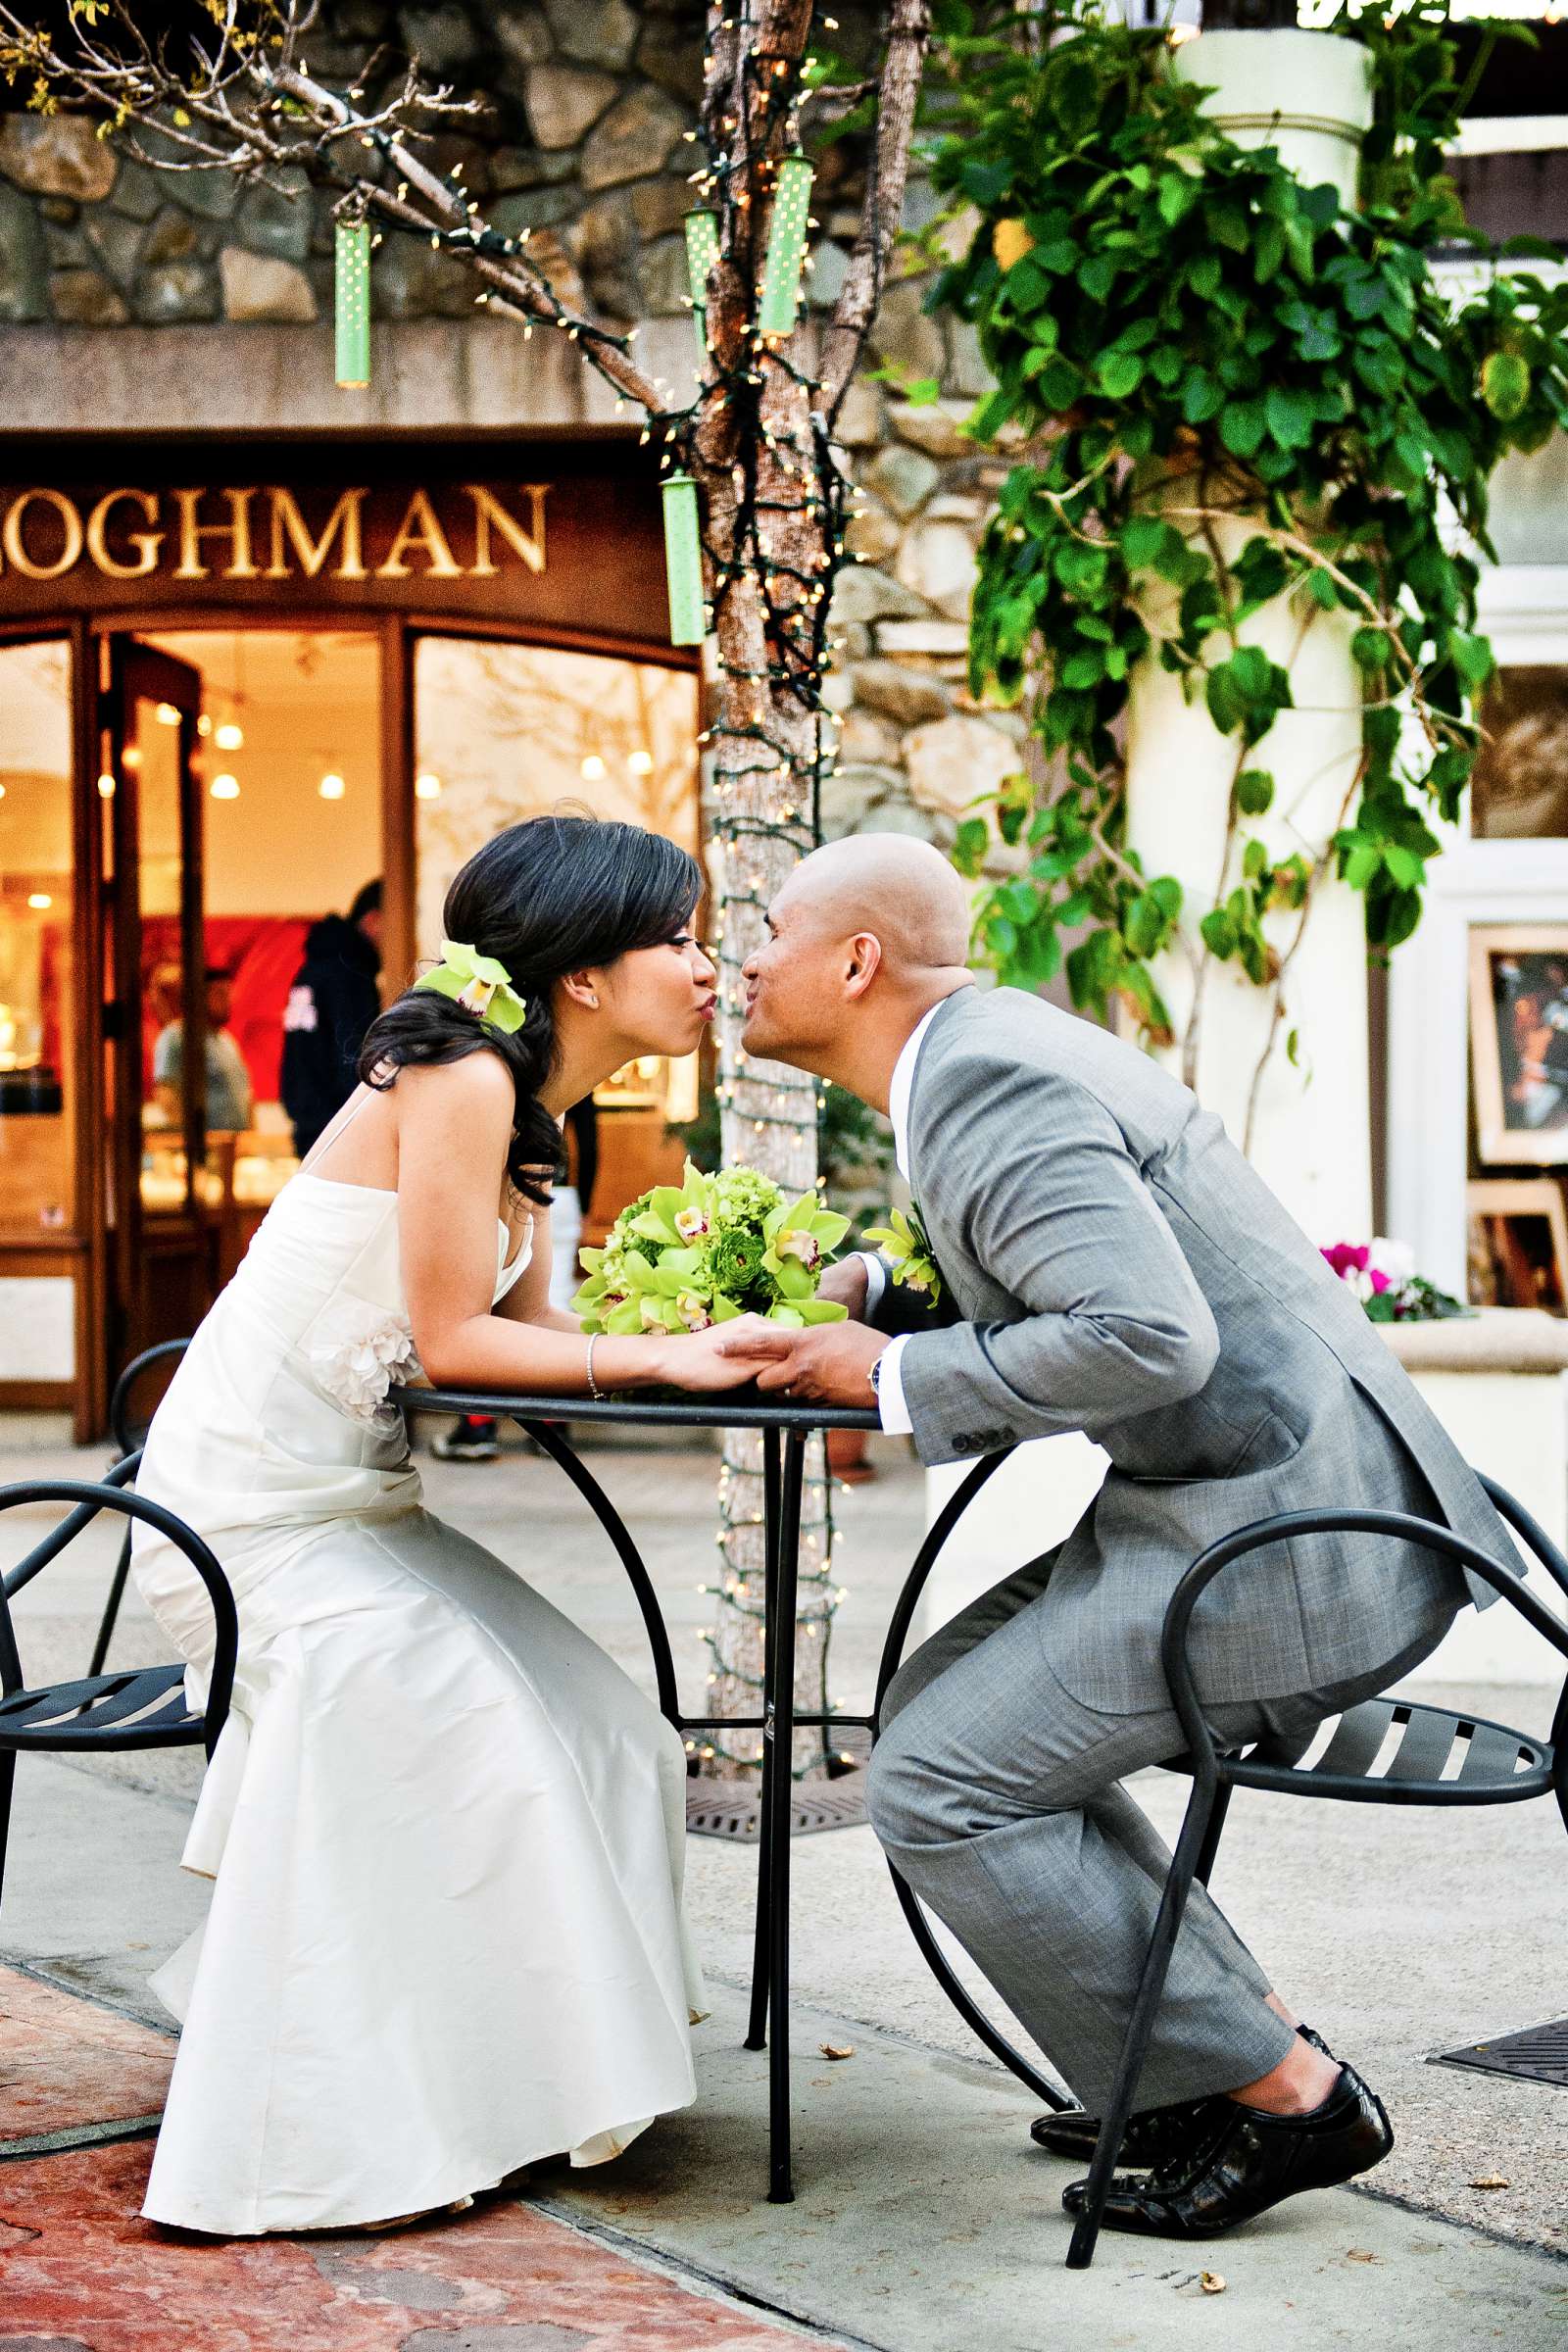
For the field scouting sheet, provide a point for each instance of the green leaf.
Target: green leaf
(1505, 385)
(1471, 656)
(970, 844)
(1291, 416)
(1241, 427)
(1201, 397)
(1405, 866)
(1219, 933)
(1082, 669)
(1120, 372)
(1254, 791)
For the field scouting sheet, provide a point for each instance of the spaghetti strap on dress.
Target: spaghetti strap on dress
(446, 1833)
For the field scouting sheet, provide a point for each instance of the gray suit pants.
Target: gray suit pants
(995, 1792)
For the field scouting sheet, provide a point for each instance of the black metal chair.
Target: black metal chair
(140, 1707)
(1427, 1755)
(129, 1430)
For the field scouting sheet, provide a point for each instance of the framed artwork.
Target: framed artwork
(1518, 1244)
(1519, 1042)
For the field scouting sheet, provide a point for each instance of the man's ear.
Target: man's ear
(864, 962)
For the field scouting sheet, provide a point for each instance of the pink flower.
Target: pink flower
(1349, 1258)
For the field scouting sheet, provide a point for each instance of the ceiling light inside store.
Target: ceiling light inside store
(641, 764)
(2, 792)
(204, 725)
(229, 737)
(427, 787)
(168, 715)
(331, 787)
(130, 756)
(592, 768)
(106, 786)
(39, 900)
(224, 788)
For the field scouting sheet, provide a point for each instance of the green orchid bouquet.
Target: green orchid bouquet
(710, 1249)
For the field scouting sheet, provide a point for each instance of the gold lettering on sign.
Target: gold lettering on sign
(419, 528)
(16, 546)
(238, 532)
(146, 543)
(118, 550)
(488, 510)
(287, 520)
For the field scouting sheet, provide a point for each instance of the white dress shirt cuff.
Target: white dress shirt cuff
(876, 1282)
(890, 1389)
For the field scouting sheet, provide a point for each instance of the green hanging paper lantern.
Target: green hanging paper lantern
(701, 252)
(786, 246)
(351, 303)
(683, 561)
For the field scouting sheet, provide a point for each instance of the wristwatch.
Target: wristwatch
(874, 1376)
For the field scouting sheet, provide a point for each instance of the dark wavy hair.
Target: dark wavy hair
(545, 898)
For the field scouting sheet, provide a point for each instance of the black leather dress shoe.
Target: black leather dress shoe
(1247, 2161)
(1153, 2134)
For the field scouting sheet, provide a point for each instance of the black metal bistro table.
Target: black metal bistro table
(785, 1429)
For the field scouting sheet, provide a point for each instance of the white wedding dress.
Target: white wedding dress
(446, 1833)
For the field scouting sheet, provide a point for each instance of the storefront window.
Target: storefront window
(508, 731)
(1520, 786)
(37, 999)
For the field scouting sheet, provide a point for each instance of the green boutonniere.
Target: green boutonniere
(902, 1243)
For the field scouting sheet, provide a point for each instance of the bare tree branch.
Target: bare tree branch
(887, 175)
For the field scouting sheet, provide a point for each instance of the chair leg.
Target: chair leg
(1213, 1833)
(8, 1776)
(1141, 2025)
(111, 1616)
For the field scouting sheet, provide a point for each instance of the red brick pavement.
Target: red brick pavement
(81, 2271)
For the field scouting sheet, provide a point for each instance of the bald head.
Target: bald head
(902, 890)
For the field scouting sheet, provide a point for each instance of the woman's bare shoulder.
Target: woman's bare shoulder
(478, 1089)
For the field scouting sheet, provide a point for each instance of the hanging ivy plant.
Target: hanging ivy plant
(1183, 334)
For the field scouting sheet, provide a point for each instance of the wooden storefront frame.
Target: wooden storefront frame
(81, 1253)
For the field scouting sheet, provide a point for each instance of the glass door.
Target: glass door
(157, 1211)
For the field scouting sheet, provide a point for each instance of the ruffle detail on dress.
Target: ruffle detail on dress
(356, 1353)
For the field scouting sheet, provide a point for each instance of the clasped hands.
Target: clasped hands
(829, 1363)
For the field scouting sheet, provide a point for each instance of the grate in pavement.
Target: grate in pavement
(1537, 2055)
(728, 1809)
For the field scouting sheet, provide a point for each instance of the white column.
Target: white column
(1306, 94)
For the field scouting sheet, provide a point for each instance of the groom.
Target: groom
(1108, 1264)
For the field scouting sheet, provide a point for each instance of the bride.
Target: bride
(445, 1831)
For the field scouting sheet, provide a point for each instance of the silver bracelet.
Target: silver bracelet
(594, 1389)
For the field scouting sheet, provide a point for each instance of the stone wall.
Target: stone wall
(581, 141)
(914, 750)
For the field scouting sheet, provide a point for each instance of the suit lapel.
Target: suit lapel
(936, 1215)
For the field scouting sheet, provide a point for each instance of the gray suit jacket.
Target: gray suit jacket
(1121, 1269)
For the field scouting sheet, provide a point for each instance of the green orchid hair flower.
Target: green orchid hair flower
(478, 983)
